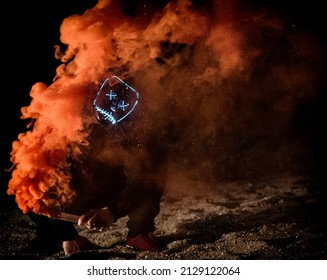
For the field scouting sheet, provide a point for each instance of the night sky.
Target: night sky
(31, 30)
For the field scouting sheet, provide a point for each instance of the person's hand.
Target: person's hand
(98, 219)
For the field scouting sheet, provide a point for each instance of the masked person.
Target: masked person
(121, 172)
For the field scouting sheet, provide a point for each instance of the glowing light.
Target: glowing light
(114, 101)
(112, 95)
(106, 115)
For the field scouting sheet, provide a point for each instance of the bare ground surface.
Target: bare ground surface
(280, 218)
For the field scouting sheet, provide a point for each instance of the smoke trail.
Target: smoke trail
(220, 86)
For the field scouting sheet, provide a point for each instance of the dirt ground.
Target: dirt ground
(277, 218)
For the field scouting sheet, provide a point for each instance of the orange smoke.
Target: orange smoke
(214, 83)
(40, 179)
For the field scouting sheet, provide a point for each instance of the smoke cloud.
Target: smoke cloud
(221, 86)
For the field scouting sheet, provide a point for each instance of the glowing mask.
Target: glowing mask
(114, 101)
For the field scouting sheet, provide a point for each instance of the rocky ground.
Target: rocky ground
(277, 218)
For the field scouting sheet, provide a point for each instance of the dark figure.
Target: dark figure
(119, 172)
(113, 176)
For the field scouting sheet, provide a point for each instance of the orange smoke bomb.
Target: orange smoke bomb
(68, 217)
